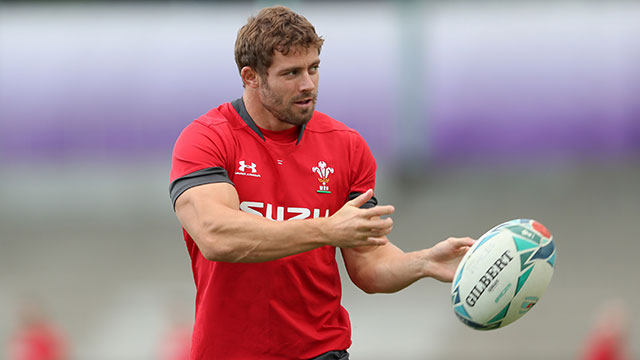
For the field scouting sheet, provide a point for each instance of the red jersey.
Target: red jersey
(287, 308)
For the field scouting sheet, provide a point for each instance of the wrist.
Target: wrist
(424, 258)
(319, 231)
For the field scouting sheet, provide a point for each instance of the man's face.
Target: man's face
(290, 88)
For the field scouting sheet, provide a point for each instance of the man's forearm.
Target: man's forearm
(400, 271)
(235, 236)
(386, 269)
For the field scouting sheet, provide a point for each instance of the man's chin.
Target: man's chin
(302, 118)
(298, 122)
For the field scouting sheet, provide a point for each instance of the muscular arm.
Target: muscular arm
(387, 269)
(211, 215)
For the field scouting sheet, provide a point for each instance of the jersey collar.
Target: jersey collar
(238, 105)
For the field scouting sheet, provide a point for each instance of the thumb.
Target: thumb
(362, 198)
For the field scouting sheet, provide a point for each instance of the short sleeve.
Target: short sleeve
(200, 156)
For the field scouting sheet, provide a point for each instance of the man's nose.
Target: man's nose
(306, 83)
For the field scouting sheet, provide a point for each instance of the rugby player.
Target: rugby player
(266, 189)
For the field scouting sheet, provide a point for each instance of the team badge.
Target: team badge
(323, 172)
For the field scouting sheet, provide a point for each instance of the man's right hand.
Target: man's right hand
(352, 226)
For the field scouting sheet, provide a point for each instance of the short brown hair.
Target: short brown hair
(275, 28)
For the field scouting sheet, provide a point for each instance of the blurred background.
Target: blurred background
(477, 112)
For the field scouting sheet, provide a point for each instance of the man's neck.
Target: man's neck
(260, 115)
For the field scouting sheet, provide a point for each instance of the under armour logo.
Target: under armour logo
(243, 166)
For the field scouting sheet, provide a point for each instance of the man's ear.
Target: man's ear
(250, 77)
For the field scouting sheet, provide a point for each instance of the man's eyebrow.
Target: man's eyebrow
(286, 70)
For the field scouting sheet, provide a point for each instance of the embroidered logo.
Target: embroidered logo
(323, 172)
(244, 168)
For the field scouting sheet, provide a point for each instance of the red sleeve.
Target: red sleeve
(198, 147)
(363, 166)
(200, 156)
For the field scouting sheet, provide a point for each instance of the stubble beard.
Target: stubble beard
(287, 112)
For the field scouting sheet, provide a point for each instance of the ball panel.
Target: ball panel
(540, 228)
(531, 291)
(524, 244)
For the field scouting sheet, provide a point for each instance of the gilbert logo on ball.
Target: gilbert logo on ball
(503, 274)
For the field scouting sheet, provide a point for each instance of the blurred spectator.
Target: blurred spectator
(608, 339)
(36, 337)
(176, 342)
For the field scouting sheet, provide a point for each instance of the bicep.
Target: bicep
(198, 206)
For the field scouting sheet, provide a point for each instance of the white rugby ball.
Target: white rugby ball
(503, 274)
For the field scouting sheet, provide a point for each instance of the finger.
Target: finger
(362, 198)
(462, 250)
(461, 242)
(375, 224)
(377, 241)
(380, 223)
(380, 210)
(379, 232)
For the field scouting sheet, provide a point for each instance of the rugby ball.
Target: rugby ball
(503, 275)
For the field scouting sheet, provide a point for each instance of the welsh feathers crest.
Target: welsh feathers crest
(323, 172)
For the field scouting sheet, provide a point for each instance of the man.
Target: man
(271, 289)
